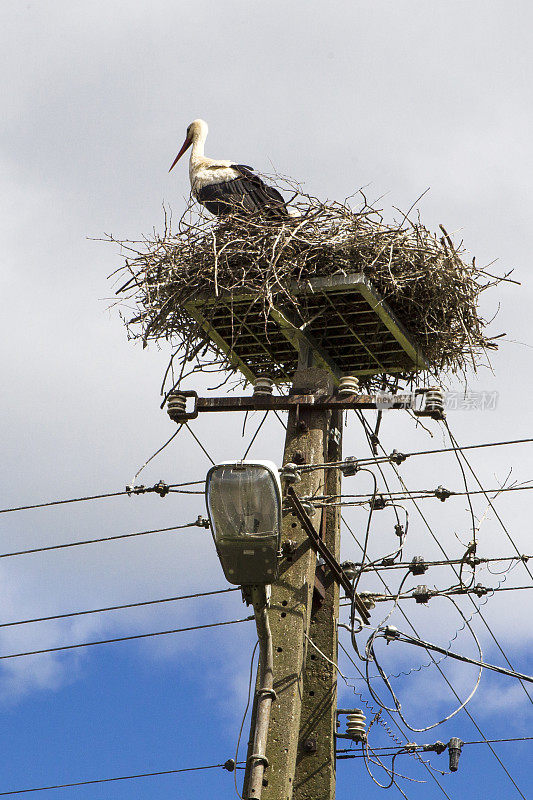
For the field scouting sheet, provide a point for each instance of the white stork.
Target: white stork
(224, 186)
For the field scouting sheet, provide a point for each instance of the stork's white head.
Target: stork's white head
(197, 130)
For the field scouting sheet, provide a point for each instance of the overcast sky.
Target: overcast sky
(397, 97)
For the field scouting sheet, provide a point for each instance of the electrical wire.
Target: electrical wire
(84, 542)
(445, 678)
(390, 557)
(393, 719)
(125, 638)
(283, 425)
(406, 673)
(117, 608)
(416, 494)
(129, 492)
(474, 722)
(472, 548)
(443, 551)
(485, 493)
(62, 502)
(403, 564)
(198, 442)
(454, 590)
(250, 678)
(110, 780)
(353, 609)
(382, 459)
(369, 520)
(255, 435)
(371, 657)
(390, 772)
(156, 454)
(385, 458)
(480, 663)
(344, 754)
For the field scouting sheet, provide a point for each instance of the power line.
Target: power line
(406, 564)
(62, 502)
(403, 637)
(198, 524)
(469, 714)
(389, 751)
(417, 494)
(443, 675)
(159, 449)
(477, 590)
(398, 457)
(495, 741)
(109, 780)
(174, 486)
(254, 437)
(198, 442)
(484, 491)
(445, 554)
(456, 695)
(469, 447)
(117, 608)
(125, 638)
(394, 721)
(457, 448)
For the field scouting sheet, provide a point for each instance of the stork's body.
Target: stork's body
(224, 186)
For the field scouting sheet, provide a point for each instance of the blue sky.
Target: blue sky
(96, 98)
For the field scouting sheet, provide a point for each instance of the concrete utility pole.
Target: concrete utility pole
(303, 713)
(315, 766)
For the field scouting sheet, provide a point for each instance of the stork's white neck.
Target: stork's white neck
(198, 143)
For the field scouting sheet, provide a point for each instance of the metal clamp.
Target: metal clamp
(267, 693)
(257, 757)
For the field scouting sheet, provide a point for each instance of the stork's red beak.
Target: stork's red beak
(186, 144)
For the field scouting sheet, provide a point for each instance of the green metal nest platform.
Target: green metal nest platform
(342, 319)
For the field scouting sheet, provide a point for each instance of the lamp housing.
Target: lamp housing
(244, 505)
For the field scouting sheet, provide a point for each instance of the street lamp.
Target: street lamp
(244, 506)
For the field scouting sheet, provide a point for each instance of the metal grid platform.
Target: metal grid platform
(342, 319)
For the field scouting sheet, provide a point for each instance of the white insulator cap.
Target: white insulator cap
(263, 385)
(355, 725)
(177, 407)
(368, 599)
(176, 401)
(435, 401)
(350, 569)
(290, 473)
(348, 384)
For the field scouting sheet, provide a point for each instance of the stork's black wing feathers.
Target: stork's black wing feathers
(247, 194)
(271, 193)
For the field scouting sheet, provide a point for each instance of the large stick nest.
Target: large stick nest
(424, 278)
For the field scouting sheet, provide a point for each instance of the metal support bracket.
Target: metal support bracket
(320, 401)
(319, 547)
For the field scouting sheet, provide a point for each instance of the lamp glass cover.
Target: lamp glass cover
(243, 502)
